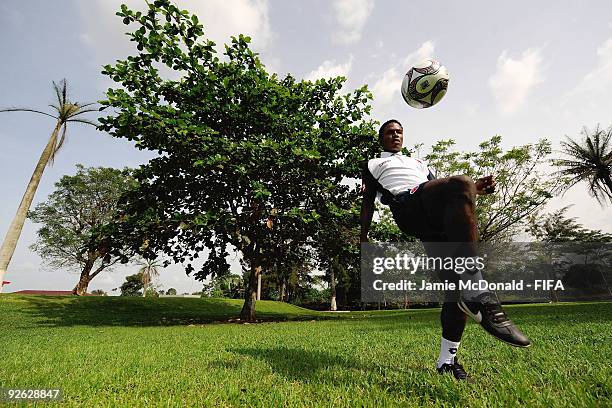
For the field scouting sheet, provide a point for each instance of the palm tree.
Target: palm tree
(589, 161)
(148, 271)
(67, 112)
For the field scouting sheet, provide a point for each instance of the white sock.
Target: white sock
(473, 278)
(448, 351)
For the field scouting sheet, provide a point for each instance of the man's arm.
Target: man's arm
(368, 190)
(485, 185)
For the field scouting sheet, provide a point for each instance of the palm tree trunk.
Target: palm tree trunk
(145, 282)
(332, 284)
(282, 289)
(14, 232)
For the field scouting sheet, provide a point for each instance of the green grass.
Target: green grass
(167, 352)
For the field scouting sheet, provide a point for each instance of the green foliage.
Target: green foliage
(149, 270)
(314, 298)
(171, 292)
(337, 249)
(556, 227)
(226, 286)
(151, 292)
(79, 204)
(589, 161)
(386, 230)
(248, 160)
(522, 186)
(132, 286)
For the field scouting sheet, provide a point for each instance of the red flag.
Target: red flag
(6, 282)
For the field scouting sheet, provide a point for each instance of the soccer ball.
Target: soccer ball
(425, 84)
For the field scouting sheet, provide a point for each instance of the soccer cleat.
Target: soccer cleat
(456, 369)
(486, 310)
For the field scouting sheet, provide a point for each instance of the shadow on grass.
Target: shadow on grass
(118, 311)
(322, 367)
(57, 311)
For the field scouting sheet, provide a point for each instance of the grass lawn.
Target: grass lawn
(110, 351)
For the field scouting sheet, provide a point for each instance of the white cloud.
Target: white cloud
(388, 85)
(426, 50)
(329, 69)
(514, 79)
(594, 87)
(390, 81)
(351, 17)
(224, 18)
(104, 31)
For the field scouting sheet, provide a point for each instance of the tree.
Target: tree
(149, 270)
(226, 286)
(562, 237)
(171, 292)
(386, 230)
(337, 243)
(132, 285)
(236, 145)
(67, 112)
(99, 292)
(589, 160)
(557, 228)
(522, 186)
(79, 204)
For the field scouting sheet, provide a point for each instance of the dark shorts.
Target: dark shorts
(412, 217)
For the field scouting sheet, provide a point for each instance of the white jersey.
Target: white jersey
(396, 172)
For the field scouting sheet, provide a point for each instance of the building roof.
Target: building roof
(47, 292)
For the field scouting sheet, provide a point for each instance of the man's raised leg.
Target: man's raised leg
(450, 203)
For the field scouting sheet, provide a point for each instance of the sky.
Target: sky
(524, 70)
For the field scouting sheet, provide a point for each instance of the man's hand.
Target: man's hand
(485, 185)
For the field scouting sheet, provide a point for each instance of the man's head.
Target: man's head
(391, 136)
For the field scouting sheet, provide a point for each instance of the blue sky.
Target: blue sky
(524, 70)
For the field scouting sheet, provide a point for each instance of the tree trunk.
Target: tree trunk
(145, 282)
(282, 289)
(12, 236)
(248, 310)
(81, 287)
(332, 284)
(259, 286)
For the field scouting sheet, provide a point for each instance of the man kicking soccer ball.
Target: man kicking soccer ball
(436, 210)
